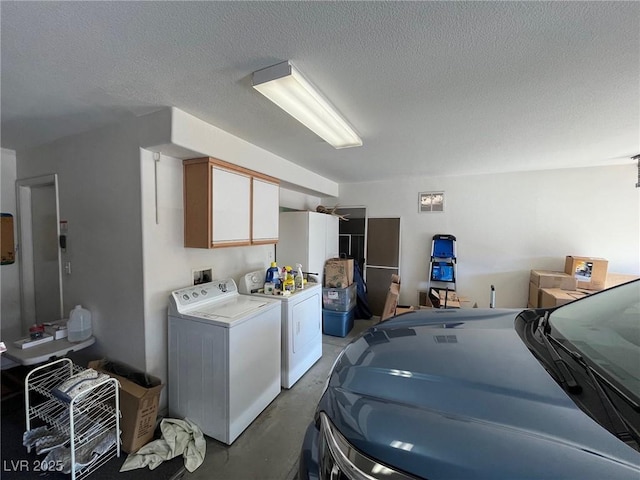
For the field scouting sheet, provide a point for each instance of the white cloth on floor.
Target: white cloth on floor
(179, 437)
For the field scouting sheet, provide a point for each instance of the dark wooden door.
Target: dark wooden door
(383, 259)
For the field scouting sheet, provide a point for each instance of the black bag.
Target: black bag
(361, 309)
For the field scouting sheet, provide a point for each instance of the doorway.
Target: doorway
(38, 246)
(352, 233)
(383, 259)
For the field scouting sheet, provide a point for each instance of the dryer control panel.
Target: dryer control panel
(252, 282)
(197, 295)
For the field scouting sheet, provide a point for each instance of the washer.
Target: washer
(224, 357)
(301, 325)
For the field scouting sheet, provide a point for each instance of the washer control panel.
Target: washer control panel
(189, 297)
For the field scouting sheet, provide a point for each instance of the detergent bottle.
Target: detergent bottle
(273, 275)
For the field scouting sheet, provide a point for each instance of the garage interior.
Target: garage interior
(512, 126)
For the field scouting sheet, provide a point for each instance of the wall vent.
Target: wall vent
(431, 202)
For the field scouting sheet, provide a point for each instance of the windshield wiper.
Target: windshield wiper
(566, 378)
(618, 426)
(602, 380)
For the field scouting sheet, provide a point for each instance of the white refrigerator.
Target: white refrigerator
(308, 238)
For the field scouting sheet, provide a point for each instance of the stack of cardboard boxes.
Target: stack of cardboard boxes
(546, 288)
(445, 299)
(581, 277)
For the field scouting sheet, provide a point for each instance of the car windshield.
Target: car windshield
(605, 329)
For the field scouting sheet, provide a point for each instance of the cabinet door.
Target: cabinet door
(230, 209)
(266, 206)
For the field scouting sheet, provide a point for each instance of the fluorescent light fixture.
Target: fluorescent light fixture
(287, 88)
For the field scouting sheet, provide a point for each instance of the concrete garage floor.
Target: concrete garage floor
(268, 449)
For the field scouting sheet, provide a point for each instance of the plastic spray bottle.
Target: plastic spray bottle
(299, 280)
(288, 285)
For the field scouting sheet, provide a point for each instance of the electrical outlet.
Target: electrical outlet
(67, 268)
(202, 275)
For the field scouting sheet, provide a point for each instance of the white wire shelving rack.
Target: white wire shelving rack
(83, 421)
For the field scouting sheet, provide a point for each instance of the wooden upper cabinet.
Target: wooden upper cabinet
(226, 205)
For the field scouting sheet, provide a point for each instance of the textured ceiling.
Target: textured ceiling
(433, 88)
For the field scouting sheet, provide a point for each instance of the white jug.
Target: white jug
(79, 324)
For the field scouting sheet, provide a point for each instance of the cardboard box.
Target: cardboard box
(391, 301)
(554, 297)
(138, 404)
(449, 298)
(400, 309)
(614, 279)
(551, 279)
(424, 300)
(590, 272)
(338, 272)
(534, 295)
(539, 279)
(410, 308)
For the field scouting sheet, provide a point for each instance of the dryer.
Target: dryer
(224, 357)
(301, 325)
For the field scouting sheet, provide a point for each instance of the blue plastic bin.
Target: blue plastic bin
(337, 324)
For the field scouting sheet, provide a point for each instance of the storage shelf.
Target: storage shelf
(89, 415)
(83, 472)
(45, 380)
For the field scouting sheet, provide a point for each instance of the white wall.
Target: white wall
(167, 263)
(510, 223)
(181, 135)
(297, 200)
(99, 190)
(9, 274)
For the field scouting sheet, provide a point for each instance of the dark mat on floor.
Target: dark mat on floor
(16, 463)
